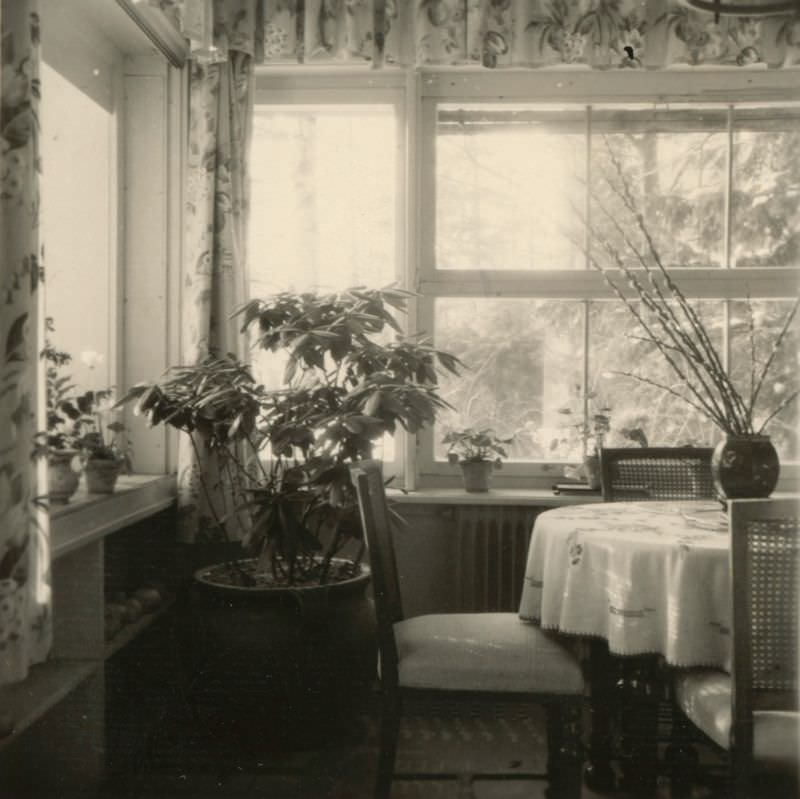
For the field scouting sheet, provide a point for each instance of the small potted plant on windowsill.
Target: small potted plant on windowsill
(105, 453)
(591, 430)
(478, 453)
(59, 443)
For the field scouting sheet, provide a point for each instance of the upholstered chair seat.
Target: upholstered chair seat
(483, 652)
(705, 697)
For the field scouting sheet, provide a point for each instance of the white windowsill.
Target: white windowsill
(495, 496)
(87, 517)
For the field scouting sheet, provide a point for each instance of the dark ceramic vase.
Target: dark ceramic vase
(745, 467)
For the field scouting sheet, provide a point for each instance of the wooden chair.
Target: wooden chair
(753, 711)
(656, 473)
(464, 654)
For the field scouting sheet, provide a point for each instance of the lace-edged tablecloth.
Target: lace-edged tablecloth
(649, 577)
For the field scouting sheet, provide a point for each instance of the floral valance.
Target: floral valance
(598, 34)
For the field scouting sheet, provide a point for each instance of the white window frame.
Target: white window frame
(354, 88)
(583, 89)
(418, 92)
(150, 99)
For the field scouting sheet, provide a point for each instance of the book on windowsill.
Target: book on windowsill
(575, 488)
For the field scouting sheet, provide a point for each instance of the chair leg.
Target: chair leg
(390, 728)
(564, 749)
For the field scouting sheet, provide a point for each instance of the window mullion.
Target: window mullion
(726, 255)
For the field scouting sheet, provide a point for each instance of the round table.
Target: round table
(633, 578)
(648, 577)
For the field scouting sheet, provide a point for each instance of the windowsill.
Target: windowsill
(495, 496)
(88, 517)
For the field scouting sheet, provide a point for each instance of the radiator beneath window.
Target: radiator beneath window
(491, 553)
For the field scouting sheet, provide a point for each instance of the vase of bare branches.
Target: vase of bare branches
(745, 466)
(745, 463)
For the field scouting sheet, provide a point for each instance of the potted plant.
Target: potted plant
(478, 453)
(590, 429)
(59, 443)
(105, 454)
(745, 462)
(302, 631)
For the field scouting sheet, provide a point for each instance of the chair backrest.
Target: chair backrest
(367, 477)
(656, 473)
(765, 580)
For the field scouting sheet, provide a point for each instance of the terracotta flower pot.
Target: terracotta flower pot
(101, 475)
(476, 475)
(745, 467)
(62, 476)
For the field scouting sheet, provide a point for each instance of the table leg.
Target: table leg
(598, 774)
(680, 756)
(638, 695)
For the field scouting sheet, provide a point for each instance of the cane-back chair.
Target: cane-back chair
(656, 473)
(753, 711)
(465, 654)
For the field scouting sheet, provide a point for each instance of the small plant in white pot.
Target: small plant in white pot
(478, 453)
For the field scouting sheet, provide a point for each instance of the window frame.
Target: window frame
(149, 99)
(421, 91)
(725, 283)
(314, 87)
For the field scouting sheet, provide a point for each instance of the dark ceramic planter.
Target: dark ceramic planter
(745, 467)
(288, 665)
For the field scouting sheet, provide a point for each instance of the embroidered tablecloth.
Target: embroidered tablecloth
(649, 577)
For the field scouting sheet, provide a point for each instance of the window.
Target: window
(525, 194)
(111, 172)
(326, 199)
(507, 190)
(79, 149)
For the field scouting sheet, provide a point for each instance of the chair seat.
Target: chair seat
(483, 652)
(705, 697)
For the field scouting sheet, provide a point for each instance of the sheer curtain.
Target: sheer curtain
(214, 274)
(25, 630)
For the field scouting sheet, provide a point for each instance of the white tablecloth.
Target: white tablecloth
(649, 577)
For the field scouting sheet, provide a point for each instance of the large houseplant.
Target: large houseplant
(283, 455)
(745, 463)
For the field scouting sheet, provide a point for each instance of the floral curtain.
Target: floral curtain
(600, 34)
(214, 275)
(25, 631)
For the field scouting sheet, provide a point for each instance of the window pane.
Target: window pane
(508, 181)
(323, 200)
(668, 166)
(78, 235)
(783, 378)
(524, 357)
(616, 351)
(765, 208)
(323, 197)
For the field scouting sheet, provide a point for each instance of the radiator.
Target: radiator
(491, 553)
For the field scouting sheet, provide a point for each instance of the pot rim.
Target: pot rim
(103, 463)
(351, 583)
